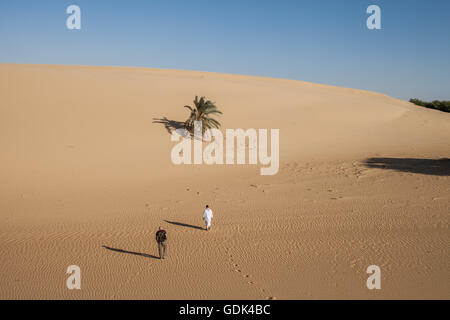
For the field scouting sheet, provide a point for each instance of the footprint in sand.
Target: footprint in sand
(246, 276)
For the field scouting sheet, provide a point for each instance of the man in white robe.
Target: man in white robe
(207, 217)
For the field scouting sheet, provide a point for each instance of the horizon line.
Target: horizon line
(202, 71)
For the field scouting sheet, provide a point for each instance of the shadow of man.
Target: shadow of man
(131, 252)
(184, 225)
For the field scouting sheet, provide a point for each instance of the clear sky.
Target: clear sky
(324, 41)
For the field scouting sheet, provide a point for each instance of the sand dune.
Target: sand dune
(87, 179)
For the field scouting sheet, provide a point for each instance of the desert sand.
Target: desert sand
(87, 179)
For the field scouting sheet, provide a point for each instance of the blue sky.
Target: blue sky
(324, 41)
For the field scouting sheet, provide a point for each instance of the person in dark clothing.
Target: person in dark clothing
(161, 238)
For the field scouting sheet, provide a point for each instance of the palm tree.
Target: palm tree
(202, 111)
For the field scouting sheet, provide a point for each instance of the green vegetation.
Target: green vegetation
(436, 104)
(202, 111)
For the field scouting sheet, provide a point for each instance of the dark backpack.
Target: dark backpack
(161, 236)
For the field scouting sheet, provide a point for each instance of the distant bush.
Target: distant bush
(436, 104)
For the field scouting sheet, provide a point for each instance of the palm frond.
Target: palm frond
(202, 111)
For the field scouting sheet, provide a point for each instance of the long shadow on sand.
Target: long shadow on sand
(184, 225)
(131, 252)
(437, 167)
(170, 125)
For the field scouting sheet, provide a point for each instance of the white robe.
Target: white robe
(207, 216)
